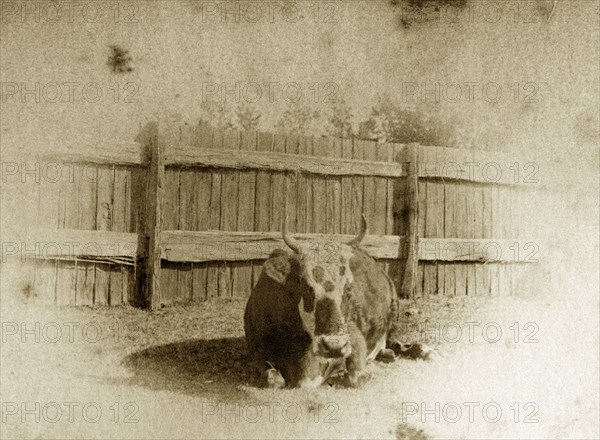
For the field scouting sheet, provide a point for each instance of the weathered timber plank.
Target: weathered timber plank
(245, 222)
(87, 192)
(319, 205)
(153, 220)
(411, 238)
(434, 227)
(306, 145)
(333, 184)
(347, 196)
(187, 213)
(74, 243)
(100, 151)
(69, 219)
(187, 217)
(277, 161)
(262, 202)
(278, 190)
(460, 230)
(240, 246)
(104, 219)
(495, 228)
(212, 276)
(229, 210)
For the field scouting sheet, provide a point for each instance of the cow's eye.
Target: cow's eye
(328, 286)
(342, 270)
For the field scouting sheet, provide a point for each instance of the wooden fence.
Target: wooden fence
(190, 213)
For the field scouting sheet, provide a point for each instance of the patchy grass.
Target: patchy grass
(184, 371)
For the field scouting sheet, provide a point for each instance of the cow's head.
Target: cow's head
(319, 272)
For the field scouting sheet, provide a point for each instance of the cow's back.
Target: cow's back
(370, 302)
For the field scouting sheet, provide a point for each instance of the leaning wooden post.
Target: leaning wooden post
(153, 219)
(411, 242)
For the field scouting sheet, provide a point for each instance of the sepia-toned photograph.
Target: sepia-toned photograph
(300, 219)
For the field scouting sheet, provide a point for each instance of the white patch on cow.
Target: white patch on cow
(308, 319)
(312, 383)
(334, 366)
(346, 252)
(378, 347)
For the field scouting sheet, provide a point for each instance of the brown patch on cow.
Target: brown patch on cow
(318, 274)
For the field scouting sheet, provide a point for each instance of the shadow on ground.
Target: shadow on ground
(199, 366)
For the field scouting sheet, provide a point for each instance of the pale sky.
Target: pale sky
(532, 82)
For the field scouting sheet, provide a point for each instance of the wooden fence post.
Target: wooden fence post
(153, 218)
(411, 243)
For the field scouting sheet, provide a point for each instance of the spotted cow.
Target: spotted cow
(318, 310)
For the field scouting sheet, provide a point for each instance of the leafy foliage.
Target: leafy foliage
(299, 119)
(248, 118)
(340, 121)
(389, 122)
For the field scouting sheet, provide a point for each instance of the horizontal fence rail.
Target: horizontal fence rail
(204, 246)
(259, 160)
(189, 213)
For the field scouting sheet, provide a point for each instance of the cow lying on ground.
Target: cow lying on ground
(318, 310)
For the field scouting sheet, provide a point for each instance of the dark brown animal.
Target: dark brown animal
(323, 308)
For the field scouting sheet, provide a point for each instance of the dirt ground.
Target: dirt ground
(507, 368)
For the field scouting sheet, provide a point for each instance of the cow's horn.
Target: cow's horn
(293, 244)
(363, 230)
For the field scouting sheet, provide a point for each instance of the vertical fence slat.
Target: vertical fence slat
(104, 218)
(412, 241)
(187, 212)
(291, 183)
(68, 219)
(347, 199)
(87, 221)
(335, 187)
(460, 230)
(277, 189)
(242, 281)
(262, 203)
(229, 211)
(358, 185)
(212, 275)
(203, 138)
(48, 210)
(153, 219)
(319, 190)
(432, 230)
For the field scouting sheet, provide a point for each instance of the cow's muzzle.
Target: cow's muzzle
(333, 346)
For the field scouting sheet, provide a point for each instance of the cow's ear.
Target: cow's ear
(277, 268)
